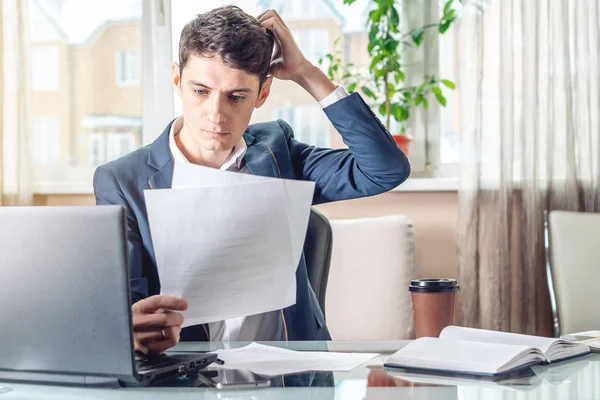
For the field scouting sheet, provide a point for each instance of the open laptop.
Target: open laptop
(64, 290)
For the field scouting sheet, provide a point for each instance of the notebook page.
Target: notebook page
(462, 356)
(482, 335)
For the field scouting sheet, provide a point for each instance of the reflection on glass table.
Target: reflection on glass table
(576, 379)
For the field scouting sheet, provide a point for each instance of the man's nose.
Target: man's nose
(217, 110)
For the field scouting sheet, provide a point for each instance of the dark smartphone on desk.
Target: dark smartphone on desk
(232, 379)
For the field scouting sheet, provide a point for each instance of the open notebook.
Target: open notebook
(481, 352)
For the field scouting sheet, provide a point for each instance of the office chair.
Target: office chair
(372, 263)
(317, 253)
(572, 241)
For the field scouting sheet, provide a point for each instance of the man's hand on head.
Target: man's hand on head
(293, 65)
(156, 323)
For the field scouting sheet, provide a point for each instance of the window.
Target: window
(85, 55)
(314, 42)
(119, 144)
(45, 140)
(44, 68)
(127, 68)
(310, 122)
(88, 58)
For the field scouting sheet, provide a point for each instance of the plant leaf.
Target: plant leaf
(394, 17)
(448, 6)
(391, 89)
(375, 61)
(351, 87)
(400, 113)
(368, 92)
(391, 44)
(348, 2)
(448, 84)
(417, 35)
(405, 113)
(396, 112)
(441, 99)
(382, 110)
(373, 32)
(375, 15)
(436, 90)
(380, 72)
(444, 25)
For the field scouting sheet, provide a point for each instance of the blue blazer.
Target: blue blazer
(372, 164)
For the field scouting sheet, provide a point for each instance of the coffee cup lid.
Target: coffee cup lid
(433, 285)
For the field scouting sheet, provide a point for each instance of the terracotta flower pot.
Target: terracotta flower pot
(403, 141)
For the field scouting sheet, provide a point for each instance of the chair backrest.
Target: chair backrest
(573, 266)
(317, 253)
(372, 263)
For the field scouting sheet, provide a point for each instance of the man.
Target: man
(222, 76)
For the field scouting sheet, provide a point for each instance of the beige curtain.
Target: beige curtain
(15, 104)
(529, 99)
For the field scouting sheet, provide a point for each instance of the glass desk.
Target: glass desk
(578, 379)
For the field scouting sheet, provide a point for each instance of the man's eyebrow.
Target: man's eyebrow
(243, 89)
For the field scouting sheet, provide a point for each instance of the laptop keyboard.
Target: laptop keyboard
(148, 363)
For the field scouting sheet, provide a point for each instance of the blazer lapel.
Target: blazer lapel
(160, 158)
(163, 178)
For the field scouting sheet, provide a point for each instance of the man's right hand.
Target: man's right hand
(156, 323)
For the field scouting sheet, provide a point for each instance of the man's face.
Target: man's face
(217, 101)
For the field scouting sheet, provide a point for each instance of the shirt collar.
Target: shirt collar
(235, 158)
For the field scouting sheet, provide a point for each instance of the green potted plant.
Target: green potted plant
(384, 81)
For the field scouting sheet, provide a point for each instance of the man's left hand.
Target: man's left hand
(293, 65)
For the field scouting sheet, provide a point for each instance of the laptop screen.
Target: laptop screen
(64, 290)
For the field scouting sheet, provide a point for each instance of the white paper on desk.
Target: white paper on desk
(226, 250)
(269, 360)
(298, 194)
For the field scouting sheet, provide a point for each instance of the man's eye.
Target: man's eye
(199, 91)
(237, 98)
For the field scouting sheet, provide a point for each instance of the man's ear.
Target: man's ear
(176, 78)
(264, 92)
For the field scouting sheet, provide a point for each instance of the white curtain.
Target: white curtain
(529, 97)
(15, 104)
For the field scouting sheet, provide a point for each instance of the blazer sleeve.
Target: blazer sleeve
(371, 165)
(108, 191)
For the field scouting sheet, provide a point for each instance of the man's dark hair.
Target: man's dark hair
(228, 31)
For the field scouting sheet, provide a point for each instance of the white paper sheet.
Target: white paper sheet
(226, 250)
(298, 194)
(269, 360)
